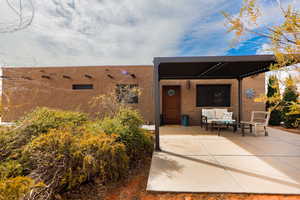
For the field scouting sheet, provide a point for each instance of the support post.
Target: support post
(240, 100)
(156, 95)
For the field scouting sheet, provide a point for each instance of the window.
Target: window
(82, 87)
(127, 93)
(213, 95)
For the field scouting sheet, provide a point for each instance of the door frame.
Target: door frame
(164, 100)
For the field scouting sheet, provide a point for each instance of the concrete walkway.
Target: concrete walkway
(201, 161)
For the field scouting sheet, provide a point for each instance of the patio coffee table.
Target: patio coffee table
(223, 123)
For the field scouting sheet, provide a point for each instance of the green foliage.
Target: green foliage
(126, 125)
(43, 119)
(293, 116)
(67, 160)
(273, 91)
(130, 118)
(275, 117)
(290, 93)
(16, 188)
(290, 98)
(40, 121)
(11, 168)
(64, 149)
(273, 101)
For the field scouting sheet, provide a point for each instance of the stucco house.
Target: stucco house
(72, 87)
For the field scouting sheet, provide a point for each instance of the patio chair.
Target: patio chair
(259, 119)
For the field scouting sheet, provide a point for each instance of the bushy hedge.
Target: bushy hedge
(64, 160)
(273, 102)
(17, 188)
(40, 121)
(290, 102)
(64, 149)
(126, 125)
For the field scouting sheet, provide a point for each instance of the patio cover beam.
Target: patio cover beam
(216, 66)
(240, 99)
(156, 92)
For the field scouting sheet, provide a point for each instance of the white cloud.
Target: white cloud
(264, 49)
(95, 32)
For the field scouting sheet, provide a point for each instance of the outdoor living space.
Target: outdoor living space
(195, 160)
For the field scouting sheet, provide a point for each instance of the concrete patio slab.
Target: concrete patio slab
(261, 174)
(204, 162)
(168, 170)
(178, 145)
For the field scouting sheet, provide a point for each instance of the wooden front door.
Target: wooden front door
(171, 104)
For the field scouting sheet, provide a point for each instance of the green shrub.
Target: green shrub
(290, 98)
(273, 102)
(16, 188)
(43, 119)
(130, 118)
(65, 160)
(293, 117)
(64, 149)
(11, 168)
(275, 117)
(40, 121)
(126, 125)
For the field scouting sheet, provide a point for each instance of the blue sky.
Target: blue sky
(113, 32)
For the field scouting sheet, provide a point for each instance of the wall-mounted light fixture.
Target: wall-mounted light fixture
(88, 76)
(188, 84)
(45, 76)
(66, 77)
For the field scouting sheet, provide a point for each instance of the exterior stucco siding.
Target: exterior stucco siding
(24, 89)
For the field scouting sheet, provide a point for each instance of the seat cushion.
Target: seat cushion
(227, 115)
(209, 113)
(219, 113)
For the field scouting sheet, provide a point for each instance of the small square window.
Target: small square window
(82, 87)
(127, 93)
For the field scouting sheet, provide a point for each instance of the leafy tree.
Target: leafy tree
(273, 100)
(290, 101)
(284, 40)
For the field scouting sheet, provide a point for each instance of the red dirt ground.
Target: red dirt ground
(134, 188)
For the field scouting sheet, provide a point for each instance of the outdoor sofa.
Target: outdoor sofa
(217, 116)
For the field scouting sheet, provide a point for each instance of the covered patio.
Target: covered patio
(210, 67)
(191, 159)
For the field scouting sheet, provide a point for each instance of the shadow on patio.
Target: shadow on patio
(201, 161)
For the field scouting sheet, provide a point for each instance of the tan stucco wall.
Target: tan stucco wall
(188, 96)
(21, 95)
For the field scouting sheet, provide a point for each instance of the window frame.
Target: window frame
(227, 102)
(82, 86)
(135, 99)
